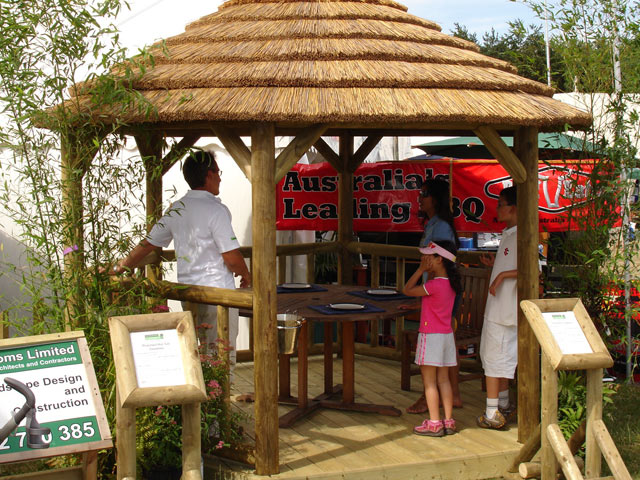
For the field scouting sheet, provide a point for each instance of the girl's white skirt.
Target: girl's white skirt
(436, 349)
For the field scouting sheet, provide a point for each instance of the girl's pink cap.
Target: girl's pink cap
(435, 249)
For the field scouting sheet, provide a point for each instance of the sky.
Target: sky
(151, 20)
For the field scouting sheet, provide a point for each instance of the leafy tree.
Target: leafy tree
(522, 46)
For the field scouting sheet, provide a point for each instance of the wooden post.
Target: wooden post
(593, 453)
(549, 417)
(526, 147)
(4, 325)
(345, 211)
(90, 465)
(75, 157)
(223, 334)
(150, 148)
(264, 298)
(125, 440)
(191, 442)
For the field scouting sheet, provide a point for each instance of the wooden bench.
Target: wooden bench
(469, 319)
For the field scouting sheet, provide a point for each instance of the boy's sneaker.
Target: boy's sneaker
(509, 412)
(449, 426)
(430, 428)
(497, 422)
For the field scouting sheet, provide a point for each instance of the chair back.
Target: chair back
(475, 288)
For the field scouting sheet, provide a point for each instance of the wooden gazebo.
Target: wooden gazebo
(345, 68)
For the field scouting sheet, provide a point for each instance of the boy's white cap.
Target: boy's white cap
(435, 249)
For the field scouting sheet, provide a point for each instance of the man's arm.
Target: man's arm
(134, 258)
(234, 261)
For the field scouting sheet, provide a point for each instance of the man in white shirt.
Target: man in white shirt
(207, 251)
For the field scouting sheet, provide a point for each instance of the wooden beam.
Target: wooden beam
(177, 151)
(77, 150)
(503, 154)
(297, 148)
(610, 452)
(329, 155)
(527, 452)
(562, 453)
(363, 152)
(345, 212)
(526, 143)
(264, 291)
(593, 453)
(150, 148)
(236, 148)
(549, 417)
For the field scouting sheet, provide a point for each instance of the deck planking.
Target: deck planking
(333, 444)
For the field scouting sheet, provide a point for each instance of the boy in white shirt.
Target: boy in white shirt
(499, 341)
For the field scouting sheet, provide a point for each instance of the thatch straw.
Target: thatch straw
(357, 61)
(347, 105)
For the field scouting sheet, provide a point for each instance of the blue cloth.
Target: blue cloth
(327, 310)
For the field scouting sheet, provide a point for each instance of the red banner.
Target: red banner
(385, 194)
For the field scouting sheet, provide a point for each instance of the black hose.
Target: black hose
(30, 402)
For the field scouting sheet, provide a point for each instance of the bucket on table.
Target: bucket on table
(288, 331)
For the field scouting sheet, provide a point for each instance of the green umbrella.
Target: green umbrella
(550, 146)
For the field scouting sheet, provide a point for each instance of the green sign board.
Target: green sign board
(59, 372)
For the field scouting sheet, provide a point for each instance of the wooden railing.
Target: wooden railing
(377, 253)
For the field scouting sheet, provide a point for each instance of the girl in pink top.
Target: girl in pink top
(436, 349)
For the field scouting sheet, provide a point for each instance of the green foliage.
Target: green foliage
(583, 33)
(572, 398)
(623, 422)
(523, 46)
(46, 46)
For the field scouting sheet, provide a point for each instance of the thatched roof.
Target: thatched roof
(336, 61)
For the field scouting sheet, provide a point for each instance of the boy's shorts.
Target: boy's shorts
(499, 350)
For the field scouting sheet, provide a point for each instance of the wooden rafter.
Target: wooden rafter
(236, 148)
(177, 151)
(296, 148)
(503, 154)
(329, 155)
(363, 152)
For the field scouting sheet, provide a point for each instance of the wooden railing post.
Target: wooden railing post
(264, 291)
(526, 147)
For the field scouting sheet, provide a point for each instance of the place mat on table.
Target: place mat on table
(312, 288)
(380, 298)
(327, 310)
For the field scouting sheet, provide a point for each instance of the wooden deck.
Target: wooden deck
(333, 444)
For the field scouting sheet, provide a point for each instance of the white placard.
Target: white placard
(567, 332)
(157, 358)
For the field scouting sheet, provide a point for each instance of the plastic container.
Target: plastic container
(466, 242)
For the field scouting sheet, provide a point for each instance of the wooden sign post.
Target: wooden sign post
(58, 370)
(157, 363)
(570, 341)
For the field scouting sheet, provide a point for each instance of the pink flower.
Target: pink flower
(159, 308)
(219, 445)
(158, 410)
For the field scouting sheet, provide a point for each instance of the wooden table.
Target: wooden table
(300, 301)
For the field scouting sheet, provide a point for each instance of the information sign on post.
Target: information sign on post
(566, 333)
(156, 358)
(58, 371)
